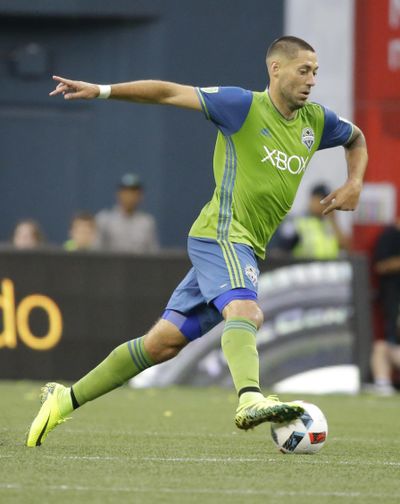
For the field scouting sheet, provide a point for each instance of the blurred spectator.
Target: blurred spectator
(124, 228)
(313, 235)
(386, 353)
(27, 234)
(82, 232)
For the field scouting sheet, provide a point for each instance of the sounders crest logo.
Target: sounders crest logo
(308, 137)
(252, 274)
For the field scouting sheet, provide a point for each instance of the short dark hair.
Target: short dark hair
(288, 45)
(320, 190)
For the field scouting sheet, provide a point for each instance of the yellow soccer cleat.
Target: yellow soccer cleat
(49, 415)
(269, 409)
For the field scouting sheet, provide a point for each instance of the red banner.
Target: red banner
(377, 104)
(377, 85)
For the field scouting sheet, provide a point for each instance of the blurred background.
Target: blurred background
(66, 169)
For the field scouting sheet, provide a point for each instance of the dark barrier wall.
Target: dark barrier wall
(60, 314)
(58, 157)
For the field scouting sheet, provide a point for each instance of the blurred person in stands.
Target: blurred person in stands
(27, 234)
(82, 232)
(313, 235)
(386, 353)
(125, 228)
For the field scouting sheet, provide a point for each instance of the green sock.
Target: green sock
(123, 363)
(239, 347)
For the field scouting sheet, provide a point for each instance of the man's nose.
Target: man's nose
(311, 80)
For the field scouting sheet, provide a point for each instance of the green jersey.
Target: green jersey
(259, 160)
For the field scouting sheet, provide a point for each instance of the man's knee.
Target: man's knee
(245, 308)
(164, 341)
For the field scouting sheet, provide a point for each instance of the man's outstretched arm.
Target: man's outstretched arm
(347, 196)
(146, 91)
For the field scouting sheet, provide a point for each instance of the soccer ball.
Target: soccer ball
(307, 434)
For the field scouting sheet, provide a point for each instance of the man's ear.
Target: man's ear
(274, 67)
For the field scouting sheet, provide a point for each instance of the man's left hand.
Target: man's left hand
(344, 198)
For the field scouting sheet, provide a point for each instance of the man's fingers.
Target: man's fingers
(330, 201)
(332, 205)
(329, 209)
(65, 85)
(62, 80)
(61, 88)
(74, 90)
(344, 199)
(74, 96)
(330, 197)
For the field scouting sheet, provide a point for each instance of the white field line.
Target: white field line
(304, 460)
(264, 435)
(204, 491)
(254, 435)
(137, 433)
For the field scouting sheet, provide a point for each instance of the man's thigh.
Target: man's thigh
(221, 272)
(189, 310)
(222, 267)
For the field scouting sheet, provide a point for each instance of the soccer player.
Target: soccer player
(264, 144)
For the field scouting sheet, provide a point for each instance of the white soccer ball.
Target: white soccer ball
(307, 434)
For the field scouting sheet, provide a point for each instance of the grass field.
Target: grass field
(180, 445)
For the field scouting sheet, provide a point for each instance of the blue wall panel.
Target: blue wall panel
(58, 157)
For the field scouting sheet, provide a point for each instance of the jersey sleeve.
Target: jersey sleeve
(337, 131)
(226, 107)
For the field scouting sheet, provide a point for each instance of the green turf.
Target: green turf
(180, 446)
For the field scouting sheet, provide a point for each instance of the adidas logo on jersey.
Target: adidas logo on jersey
(266, 132)
(281, 161)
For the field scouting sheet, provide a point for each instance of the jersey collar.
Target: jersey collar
(276, 111)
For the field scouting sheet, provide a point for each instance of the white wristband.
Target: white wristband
(105, 91)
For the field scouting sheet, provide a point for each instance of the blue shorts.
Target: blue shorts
(221, 272)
